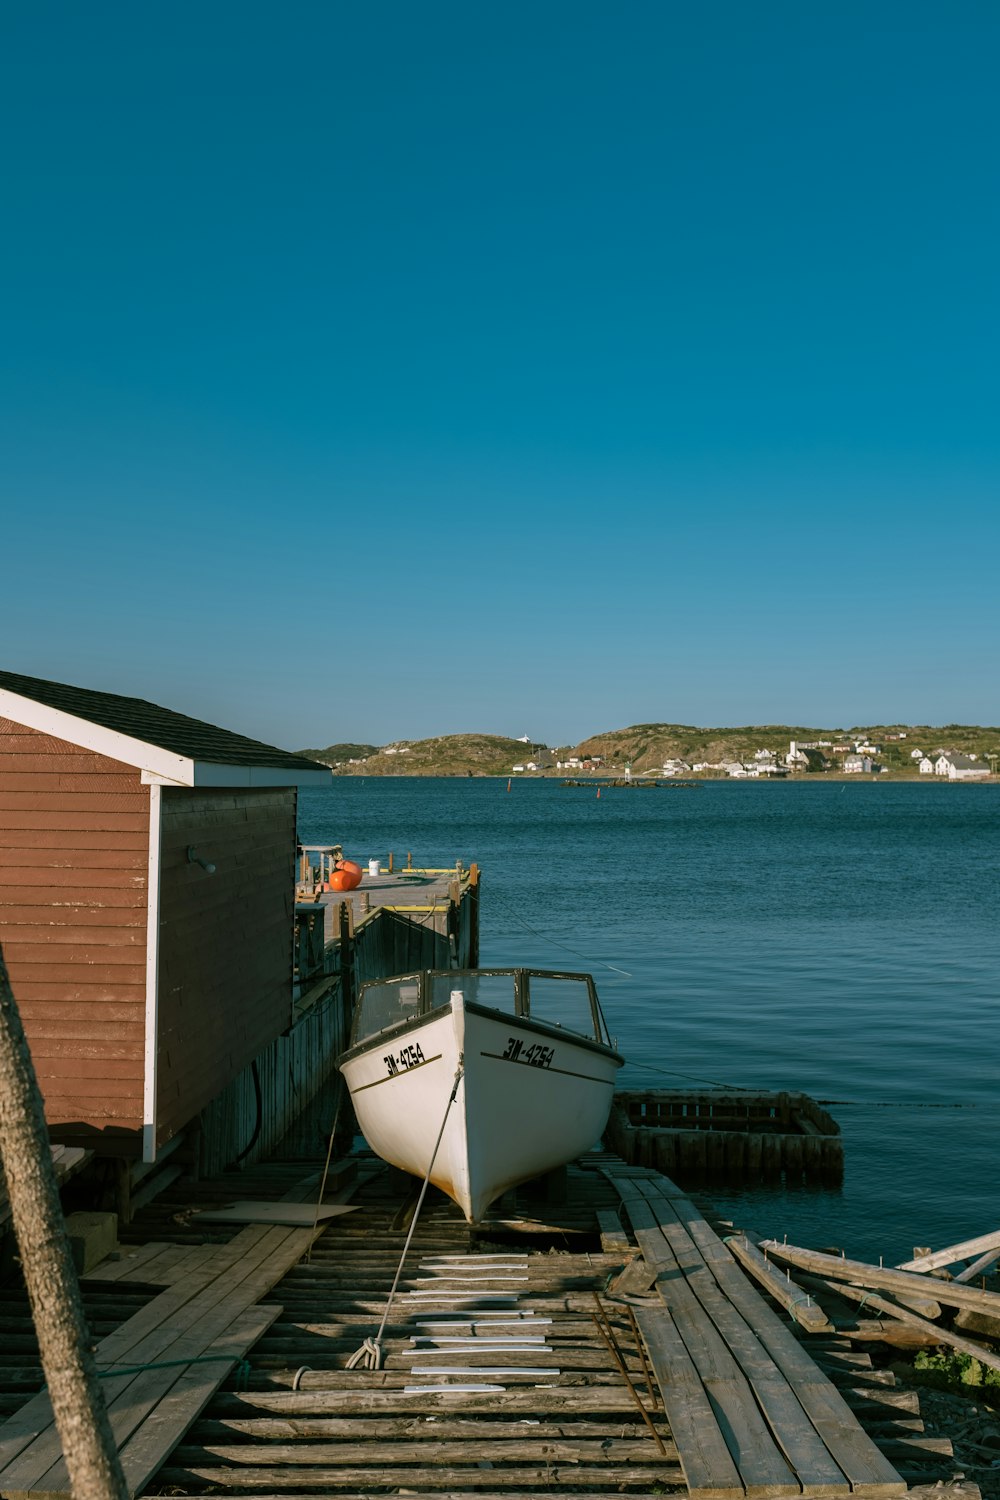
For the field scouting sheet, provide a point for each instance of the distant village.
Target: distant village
(851, 758)
(634, 754)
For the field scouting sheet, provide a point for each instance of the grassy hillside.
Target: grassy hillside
(645, 747)
(447, 755)
(338, 755)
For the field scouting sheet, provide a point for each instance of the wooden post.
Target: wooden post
(472, 896)
(81, 1417)
(345, 928)
(390, 861)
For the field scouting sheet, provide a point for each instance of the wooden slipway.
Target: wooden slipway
(497, 1380)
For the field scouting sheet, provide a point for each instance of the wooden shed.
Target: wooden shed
(147, 879)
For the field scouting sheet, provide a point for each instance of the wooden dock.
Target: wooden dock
(498, 1376)
(392, 923)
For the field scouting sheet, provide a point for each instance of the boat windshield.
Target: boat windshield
(387, 1004)
(495, 991)
(562, 1000)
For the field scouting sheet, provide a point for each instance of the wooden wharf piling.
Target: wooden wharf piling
(496, 1380)
(719, 1137)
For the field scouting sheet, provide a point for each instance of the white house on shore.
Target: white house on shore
(965, 768)
(956, 767)
(675, 767)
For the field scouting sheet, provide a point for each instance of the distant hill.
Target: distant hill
(445, 755)
(336, 755)
(646, 746)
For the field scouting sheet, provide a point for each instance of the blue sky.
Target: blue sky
(394, 370)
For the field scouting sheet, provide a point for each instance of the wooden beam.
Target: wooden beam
(952, 1294)
(934, 1260)
(798, 1304)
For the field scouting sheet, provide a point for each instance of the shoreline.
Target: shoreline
(603, 778)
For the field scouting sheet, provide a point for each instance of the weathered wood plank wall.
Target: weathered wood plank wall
(74, 839)
(294, 1067)
(225, 972)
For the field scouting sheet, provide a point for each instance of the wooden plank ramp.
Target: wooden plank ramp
(750, 1412)
(495, 1380)
(162, 1364)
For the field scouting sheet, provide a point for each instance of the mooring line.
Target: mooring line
(592, 963)
(369, 1356)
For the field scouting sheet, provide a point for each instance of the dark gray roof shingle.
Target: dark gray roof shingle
(153, 725)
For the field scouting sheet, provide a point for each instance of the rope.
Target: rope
(697, 1078)
(905, 1103)
(326, 1164)
(369, 1356)
(592, 963)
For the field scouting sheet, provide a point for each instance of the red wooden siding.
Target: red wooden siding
(225, 968)
(74, 848)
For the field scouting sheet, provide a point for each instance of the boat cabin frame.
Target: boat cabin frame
(424, 998)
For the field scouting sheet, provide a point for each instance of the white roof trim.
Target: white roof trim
(156, 763)
(90, 736)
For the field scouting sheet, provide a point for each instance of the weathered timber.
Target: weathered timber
(181, 1322)
(726, 1137)
(951, 1254)
(733, 1411)
(613, 1236)
(807, 1313)
(978, 1267)
(924, 1306)
(454, 1425)
(387, 1404)
(933, 1333)
(149, 1417)
(710, 1471)
(469, 1477)
(808, 1421)
(525, 1448)
(952, 1294)
(353, 1433)
(127, 1265)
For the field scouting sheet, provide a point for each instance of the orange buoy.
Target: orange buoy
(350, 867)
(344, 879)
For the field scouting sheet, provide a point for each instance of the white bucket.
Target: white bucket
(374, 867)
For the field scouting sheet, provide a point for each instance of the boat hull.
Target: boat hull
(529, 1098)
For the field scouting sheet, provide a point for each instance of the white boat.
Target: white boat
(488, 1077)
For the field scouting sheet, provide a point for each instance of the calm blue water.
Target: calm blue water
(841, 939)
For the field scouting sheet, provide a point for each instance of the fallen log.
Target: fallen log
(936, 1333)
(857, 1272)
(933, 1260)
(788, 1293)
